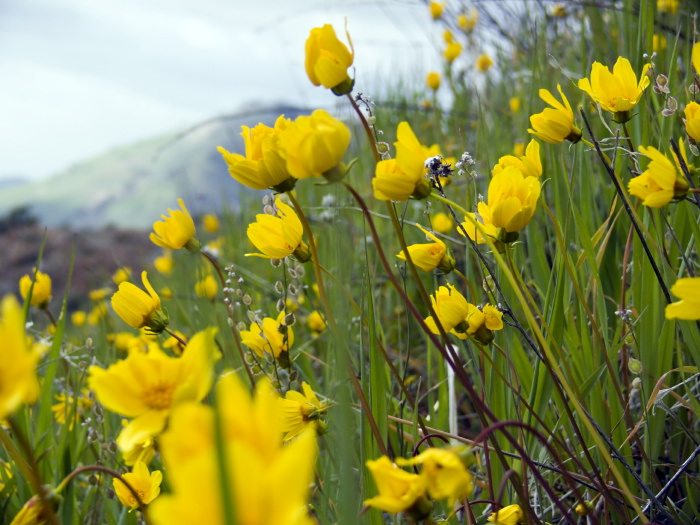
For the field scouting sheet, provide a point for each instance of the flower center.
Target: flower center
(159, 396)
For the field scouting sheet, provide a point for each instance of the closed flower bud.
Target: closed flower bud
(431, 256)
(660, 183)
(41, 293)
(692, 120)
(328, 60)
(555, 124)
(176, 231)
(433, 80)
(139, 309)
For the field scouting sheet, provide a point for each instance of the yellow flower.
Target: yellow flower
(145, 387)
(445, 474)
(315, 146)
(32, 513)
(98, 312)
(164, 264)
(210, 223)
(618, 91)
(660, 183)
(41, 294)
(431, 256)
(436, 9)
(512, 200)
(300, 411)
(268, 338)
(667, 6)
(692, 120)
(482, 322)
(67, 406)
(433, 80)
(555, 124)
(514, 104)
(468, 22)
(264, 164)
(279, 235)
(328, 60)
(404, 177)
(100, 293)
(316, 322)
(452, 51)
(143, 451)
(530, 165)
(484, 63)
(510, 515)
(207, 287)
(174, 344)
(176, 231)
(688, 308)
(658, 43)
(78, 318)
(559, 11)
(269, 481)
(399, 491)
(452, 310)
(121, 275)
(695, 57)
(146, 485)
(138, 308)
(18, 383)
(442, 223)
(476, 233)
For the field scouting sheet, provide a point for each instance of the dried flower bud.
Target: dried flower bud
(247, 300)
(290, 319)
(279, 287)
(281, 305)
(662, 80)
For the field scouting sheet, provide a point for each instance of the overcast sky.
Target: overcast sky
(79, 77)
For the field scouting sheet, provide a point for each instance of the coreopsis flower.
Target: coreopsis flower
(165, 263)
(452, 51)
(139, 309)
(41, 293)
(436, 9)
(484, 63)
(18, 359)
(278, 236)
(328, 60)
(688, 308)
(264, 164)
(430, 256)
(482, 322)
(692, 120)
(121, 274)
(452, 310)
(207, 287)
(404, 177)
(269, 481)
(660, 183)
(433, 80)
(510, 515)
(145, 387)
(467, 23)
(268, 338)
(442, 223)
(315, 146)
(316, 322)
(399, 491)
(146, 484)
(176, 231)
(300, 411)
(445, 474)
(555, 124)
(667, 6)
(617, 92)
(529, 165)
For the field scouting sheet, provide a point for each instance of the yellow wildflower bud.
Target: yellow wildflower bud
(121, 275)
(452, 310)
(660, 183)
(315, 145)
(688, 308)
(138, 308)
(555, 124)
(584, 509)
(482, 323)
(78, 318)
(514, 104)
(436, 9)
(442, 223)
(484, 63)
(695, 58)
(399, 491)
(510, 515)
(164, 264)
(146, 484)
(207, 287)
(452, 51)
(176, 231)
(692, 120)
(328, 60)
(667, 6)
(468, 22)
(559, 11)
(41, 293)
(431, 256)
(512, 199)
(618, 91)
(433, 80)
(278, 236)
(210, 223)
(316, 322)
(658, 43)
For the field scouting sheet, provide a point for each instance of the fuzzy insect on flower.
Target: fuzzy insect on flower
(328, 60)
(176, 231)
(139, 309)
(41, 293)
(278, 236)
(617, 91)
(660, 183)
(145, 483)
(555, 124)
(430, 256)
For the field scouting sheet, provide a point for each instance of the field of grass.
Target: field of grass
(539, 357)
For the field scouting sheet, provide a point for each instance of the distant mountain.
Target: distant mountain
(10, 181)
(130, 187)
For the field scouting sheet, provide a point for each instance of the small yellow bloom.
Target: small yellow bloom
(78, 318)
(433, 80)
(138, 308)
(667, 6)
(210, 223)
(530, 165)
(176, 231)
(32, 513)
(510, 515)
(399, 491)
(555, 124)
(559, 11)
(41, 294)
(688, 308)
(121, 275)
(100, 293)
(658, 43)
(18, 383)
(97, 313)
(165, 263)
(468, 22)
(268, 338)
(692, 120)
(484, 63)
(695, 58)
(660, 183)
(174, 344)
(436, 9)
(67, 406)
(444, 472)
(315, 146)
(207, 287)
(452, 51)
(618, 91)
(442, 223)
(515, 104)
(452, 310)
(146, 484)
(278, 236)
(143, 450)
(519, 149)
(316, 322)
(512, 199)
(430, 256)
(484, 228)
(300, 411)
(448, 37)
(328, 60)
(482, 322)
